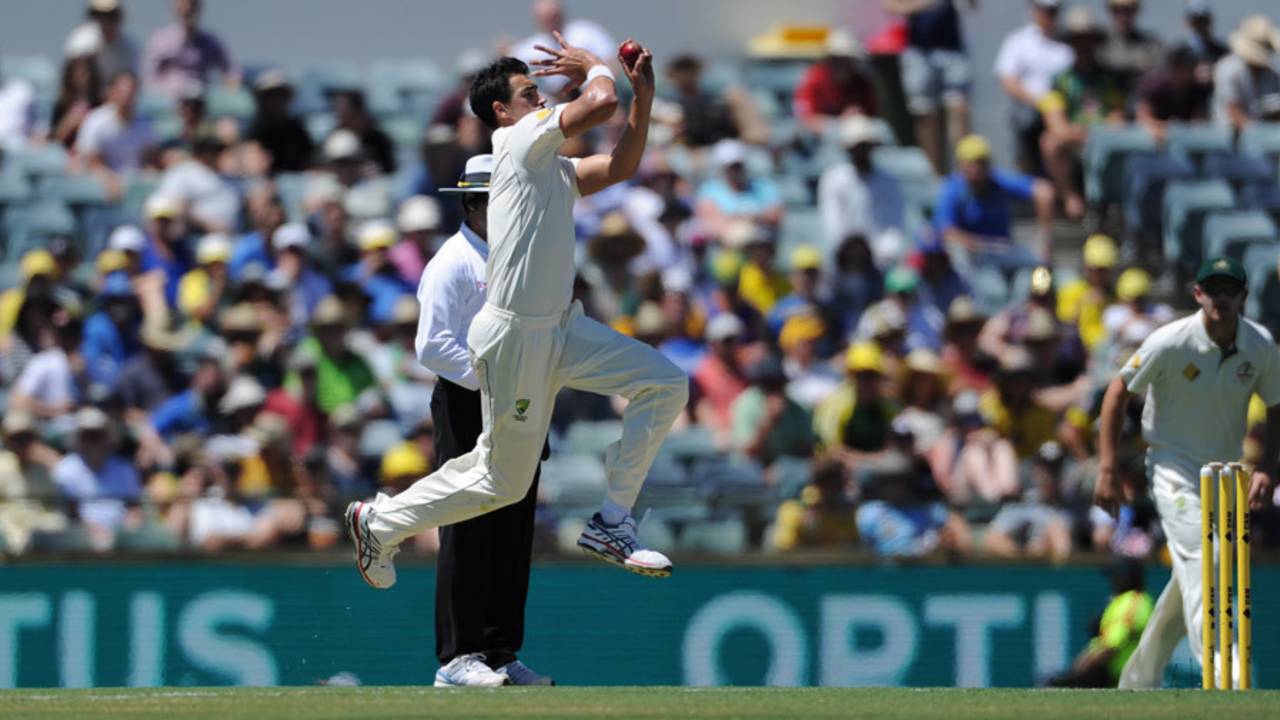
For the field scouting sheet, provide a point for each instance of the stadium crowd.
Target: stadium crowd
(207, 327)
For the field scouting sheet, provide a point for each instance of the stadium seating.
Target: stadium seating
(1261, 140)
(1104, 160)
(1146, 177)
(1185, 205)
(1260, 260)
(1195, 142)
(1231, 232)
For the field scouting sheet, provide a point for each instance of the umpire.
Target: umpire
(482, 573)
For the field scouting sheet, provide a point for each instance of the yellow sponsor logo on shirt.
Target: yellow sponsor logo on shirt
(543, 114)
(1136, 362)
(1191, 372)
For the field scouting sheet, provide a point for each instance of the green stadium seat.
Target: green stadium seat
(150, 538)
(1104, 158)
(39, 70)
(592, 438)
(225, 102)
(719, 537)
(154, 105)
(1261, 140)
(1260, 260)
(572, 479)
(14, 188)
(404, 130)
(1231, 232)
(416, 75)
(1186, 203)
(47, 159)
(690, 444)
(74, 190)
(1195, 141)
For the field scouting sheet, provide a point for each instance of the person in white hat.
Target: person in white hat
(296, 271)
(836, 86)
(531, 339)
(419, 221)
(1026, 64)
(115, 51)
(730, 192)
(854, 198)
(98, 479)
(482, 570)
(165, 251)
(1246, 86)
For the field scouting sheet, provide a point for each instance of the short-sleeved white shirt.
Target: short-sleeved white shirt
(1197, 395)
(531, 233)
(1033, 59)
(120, 144)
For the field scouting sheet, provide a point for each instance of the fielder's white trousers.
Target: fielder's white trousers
(522, 362)
(1175, 485)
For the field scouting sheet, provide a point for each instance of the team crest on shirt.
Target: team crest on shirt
(1244, 373)
(522, 406)
(1191, 372)
(1136, 362)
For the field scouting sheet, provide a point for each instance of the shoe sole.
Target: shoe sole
(353, 532)
(443, 683)
(637, 569)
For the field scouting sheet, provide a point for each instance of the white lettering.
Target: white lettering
(146, 640)
(76, 636)
(240, 660)
(1050, 634)
(844, 664)
(18, 610)
(788, 649)
(974, 616)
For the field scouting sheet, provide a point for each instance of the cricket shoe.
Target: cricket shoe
(620, 544)
(469, 671)
(373, 562)
(520, 674)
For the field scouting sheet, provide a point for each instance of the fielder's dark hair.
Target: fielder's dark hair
(493, 83)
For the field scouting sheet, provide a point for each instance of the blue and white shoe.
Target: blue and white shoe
(520, 674)
(372, 560)
(469, 671)
(620, 545)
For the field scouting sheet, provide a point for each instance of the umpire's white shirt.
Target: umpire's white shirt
(450, 293)
(1197, 394)
(531, 233)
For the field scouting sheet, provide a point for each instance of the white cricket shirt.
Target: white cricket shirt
(1197, 395)
(531, 232)
(450, 293)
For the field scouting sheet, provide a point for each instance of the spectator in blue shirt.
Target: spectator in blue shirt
(940, 284)
(101, 483)
(166, 250)
(193, 410)
(924, 322)
(732, 194)
(111, 333)
(806, 278)
(267, 214)
(974, 212)
(374, 273)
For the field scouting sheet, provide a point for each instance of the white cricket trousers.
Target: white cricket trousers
(1175, 484)
(522, 362)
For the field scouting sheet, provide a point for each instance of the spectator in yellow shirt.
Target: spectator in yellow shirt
(201, 291)
(1083, 300)
(1012, 410)
(760, 284)
(823, 516)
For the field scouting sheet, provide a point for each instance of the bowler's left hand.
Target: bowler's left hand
(1260, 487)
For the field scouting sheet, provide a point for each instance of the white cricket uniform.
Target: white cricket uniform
(529, 341)
(1197, 398)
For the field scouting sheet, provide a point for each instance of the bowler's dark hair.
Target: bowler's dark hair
(494, 83)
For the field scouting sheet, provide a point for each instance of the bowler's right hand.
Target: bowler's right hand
(1109, 493)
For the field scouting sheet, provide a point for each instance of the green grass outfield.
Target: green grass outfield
(315, 703)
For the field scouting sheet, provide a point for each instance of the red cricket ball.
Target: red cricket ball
(630, 52)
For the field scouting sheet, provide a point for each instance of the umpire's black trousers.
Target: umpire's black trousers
(482, 572)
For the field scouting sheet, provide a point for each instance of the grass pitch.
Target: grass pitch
(318, 703)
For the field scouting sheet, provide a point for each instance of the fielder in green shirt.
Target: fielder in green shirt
(1100, 663)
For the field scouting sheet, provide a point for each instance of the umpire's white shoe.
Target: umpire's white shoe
(620, 545)
(372, 560)
(469, 671)
(520, 674)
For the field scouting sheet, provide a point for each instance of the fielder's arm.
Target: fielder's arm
(1108, 493)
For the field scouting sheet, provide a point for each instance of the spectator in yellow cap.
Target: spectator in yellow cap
(1134, 313)
(403, 464)
(806, 279)
(374, 272)
(1083, 300)
(853, 423)
(811, 379)
(201, 290)
(974, 211)
(39, 273)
